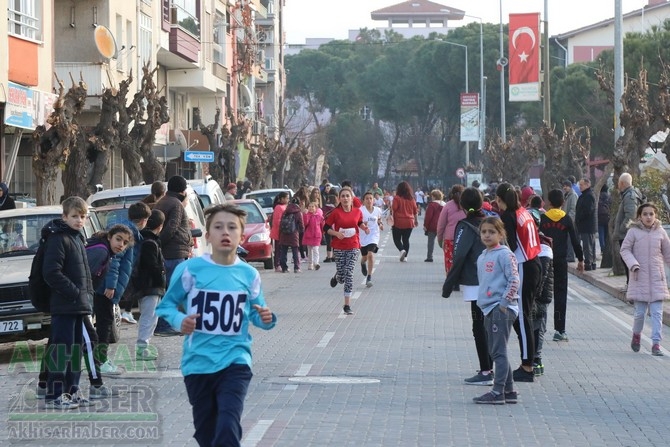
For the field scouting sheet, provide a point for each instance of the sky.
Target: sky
(334, 18)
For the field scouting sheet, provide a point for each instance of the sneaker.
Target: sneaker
(278, 269)
(310, 267)
(368, 282)
(521, 375)
(490, 398)
(64, 402)
(167, 333)
(428, 260)
(327, 260)
(656, 350)
(538, 369)
(317, 267)
(560, 336)
(101, 392)
(364, 269)
(635, 343)
(511, 397)
(40, 392)
(127, 317)
(80, 400)
(347, 310)
(146, 354)
(480, 379)
(297, 270)
(333, 281)
(403, 255)
(110, 369)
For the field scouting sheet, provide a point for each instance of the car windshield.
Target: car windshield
(264, 199)
(118, 200)
(20, 235)
(110, 217)
(205, 200)
(253, 213)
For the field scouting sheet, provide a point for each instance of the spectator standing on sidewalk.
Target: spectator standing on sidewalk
(557, 225)
(644, 250)
(446, 225)
(468, 246)
(498, 298)
(604, 204)
(216, 359)
(278, 207)
(291, 239)
(176, 241)
(433, 211)
(569, 206)
(405, 217)
(586, 221)
(626, 212)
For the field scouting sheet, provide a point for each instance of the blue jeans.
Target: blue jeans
(603, 234)
(218, 401)
(170, 265)
(64, 355)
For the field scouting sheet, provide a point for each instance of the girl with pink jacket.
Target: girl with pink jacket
(644, 250)
(314, 221)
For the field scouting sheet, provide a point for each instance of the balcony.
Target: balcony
(94, 74)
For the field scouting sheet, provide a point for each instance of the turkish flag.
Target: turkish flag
(524, 48)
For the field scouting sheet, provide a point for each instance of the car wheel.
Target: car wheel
(268, 264)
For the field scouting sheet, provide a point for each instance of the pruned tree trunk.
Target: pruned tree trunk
(209, 132)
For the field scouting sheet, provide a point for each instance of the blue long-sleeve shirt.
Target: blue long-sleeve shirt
(498, 275)
(224, 296)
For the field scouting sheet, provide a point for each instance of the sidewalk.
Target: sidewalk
(605, 280)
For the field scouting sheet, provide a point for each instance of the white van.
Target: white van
(209, 191)
(112, 200)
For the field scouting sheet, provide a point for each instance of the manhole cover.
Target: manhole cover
(333, 380)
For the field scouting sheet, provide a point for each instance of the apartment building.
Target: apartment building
(202, 49)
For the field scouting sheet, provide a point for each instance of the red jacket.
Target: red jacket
(432, 215)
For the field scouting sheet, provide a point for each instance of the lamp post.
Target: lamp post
(503, 132)
(467, 143)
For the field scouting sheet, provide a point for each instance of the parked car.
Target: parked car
(256, 240)
(20, 233)
(209, 191)
(111, 205)
(266, 197)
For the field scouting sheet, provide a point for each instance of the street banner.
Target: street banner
(524, 57)
(318, 170)
(469, 116)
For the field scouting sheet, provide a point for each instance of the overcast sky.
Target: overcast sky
(334, 18)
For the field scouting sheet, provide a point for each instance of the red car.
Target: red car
(256, 239)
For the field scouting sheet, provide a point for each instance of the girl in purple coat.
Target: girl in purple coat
(644, 250)
(313, 220)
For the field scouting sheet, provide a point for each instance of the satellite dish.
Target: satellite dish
(104, 42)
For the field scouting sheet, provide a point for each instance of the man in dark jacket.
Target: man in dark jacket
(604, 204)
(586, 221)
(175, 237)
(66, 271)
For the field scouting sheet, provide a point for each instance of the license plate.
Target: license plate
(9, 326)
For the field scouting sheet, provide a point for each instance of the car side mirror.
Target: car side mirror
(196, 232)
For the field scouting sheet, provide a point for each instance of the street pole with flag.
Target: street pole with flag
(524, 57)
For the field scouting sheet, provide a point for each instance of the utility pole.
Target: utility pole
(503, 132)
(618, 69)
(547, 68)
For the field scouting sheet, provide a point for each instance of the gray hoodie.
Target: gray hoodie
(498, 275)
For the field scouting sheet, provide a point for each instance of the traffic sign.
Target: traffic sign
(460, 172)
(199, 156)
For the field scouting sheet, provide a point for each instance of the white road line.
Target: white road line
(255, 435)
(305, 367)
(324, 340)
(356, 295)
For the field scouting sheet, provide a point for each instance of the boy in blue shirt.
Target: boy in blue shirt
(221, 294)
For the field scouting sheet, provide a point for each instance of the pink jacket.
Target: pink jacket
(449, 217)
(313, 228)
(648, 249)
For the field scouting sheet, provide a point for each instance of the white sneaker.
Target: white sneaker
(310, 267)
(109, 369)
(128, 318)
(101, 392)
(80, 400)
(64, 402)
(403, 255)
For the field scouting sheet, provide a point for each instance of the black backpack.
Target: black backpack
(287, 223)
(38, 289)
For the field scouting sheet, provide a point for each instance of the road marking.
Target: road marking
(356, 295)
(305, 367)
(255, 435)
(324, 340)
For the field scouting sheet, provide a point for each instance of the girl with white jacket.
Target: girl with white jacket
(644, 250)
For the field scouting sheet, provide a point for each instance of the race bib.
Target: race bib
(220, 312)
(348, 232)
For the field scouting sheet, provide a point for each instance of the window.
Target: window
(186, 16)
(144, 41)
(24, 19)
(218, 48)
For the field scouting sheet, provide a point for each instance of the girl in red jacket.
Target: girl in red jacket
(430, 222)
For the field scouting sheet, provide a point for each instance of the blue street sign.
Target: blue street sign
(199, 156)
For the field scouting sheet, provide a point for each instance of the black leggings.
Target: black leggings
(479, 332)
(523, 326)
(401, 238)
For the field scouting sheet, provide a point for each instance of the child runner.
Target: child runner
(370, 240)
(220, 295)
(644, 250)
(313, 220)
(342, 224)
(498, 297)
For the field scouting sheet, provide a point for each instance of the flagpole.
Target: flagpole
(503, 133)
